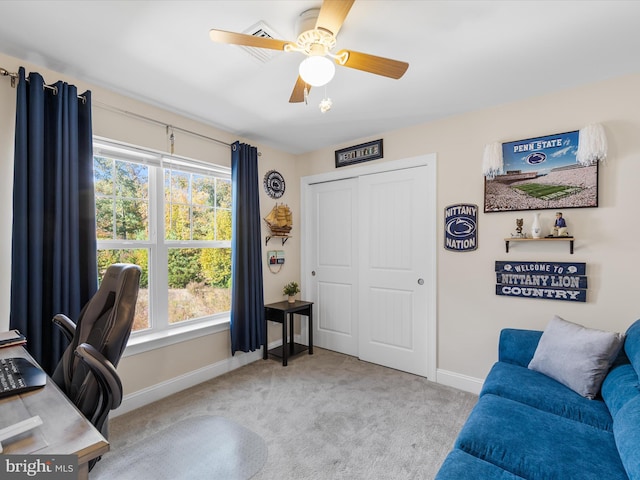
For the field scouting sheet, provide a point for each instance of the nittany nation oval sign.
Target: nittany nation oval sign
(461, 227)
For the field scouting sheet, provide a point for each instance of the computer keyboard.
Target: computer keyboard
(19, 375)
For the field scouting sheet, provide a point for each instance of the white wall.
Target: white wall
(470, 315)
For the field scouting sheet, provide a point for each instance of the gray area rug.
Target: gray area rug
(204, 447)
(324, 416)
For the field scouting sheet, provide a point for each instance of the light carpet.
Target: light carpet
(204, 447)
(324, 416)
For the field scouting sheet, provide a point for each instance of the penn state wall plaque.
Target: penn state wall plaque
(461, 227)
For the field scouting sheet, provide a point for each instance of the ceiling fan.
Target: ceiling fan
(319, 28)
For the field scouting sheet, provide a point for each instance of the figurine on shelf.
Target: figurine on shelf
(560, 226)
(519, 224)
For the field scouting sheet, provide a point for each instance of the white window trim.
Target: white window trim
(168, 334)
(147, 341)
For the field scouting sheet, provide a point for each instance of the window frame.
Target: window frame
(160, 332)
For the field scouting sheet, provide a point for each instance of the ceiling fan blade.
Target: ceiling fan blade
(297, 95)
(372, 64)
(332, 15)
(223, 36)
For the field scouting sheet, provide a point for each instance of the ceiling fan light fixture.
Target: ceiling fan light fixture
(325, 105)
(317, 70)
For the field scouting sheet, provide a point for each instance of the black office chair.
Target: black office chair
(86, 372)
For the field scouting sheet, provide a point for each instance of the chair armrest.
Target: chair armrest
(105, 374)
(518, 346)
(66, 325)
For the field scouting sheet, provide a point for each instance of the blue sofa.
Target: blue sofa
(528, 426)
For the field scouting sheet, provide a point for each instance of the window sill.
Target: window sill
(152, 341)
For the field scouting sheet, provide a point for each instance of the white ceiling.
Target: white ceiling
(463, 56)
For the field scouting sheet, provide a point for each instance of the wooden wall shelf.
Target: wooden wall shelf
(283, 237)
(545, 239)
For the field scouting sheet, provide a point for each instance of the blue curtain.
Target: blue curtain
(247, 300)
(53, 261)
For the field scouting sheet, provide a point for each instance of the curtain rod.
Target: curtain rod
(14, 77)
(158, 122)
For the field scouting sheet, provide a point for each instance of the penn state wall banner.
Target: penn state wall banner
(542, 280)
(461, 227)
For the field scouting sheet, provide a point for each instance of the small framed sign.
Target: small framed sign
(276, 257)
(359, 153)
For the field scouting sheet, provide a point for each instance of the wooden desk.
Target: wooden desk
(277, 312)
(64, 429)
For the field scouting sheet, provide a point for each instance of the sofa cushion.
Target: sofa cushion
(542, 392)
(620, 387)
(460, 465)
(576, 356)
(626, 428)
(538, 445)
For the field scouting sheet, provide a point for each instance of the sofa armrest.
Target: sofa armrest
(518, 346)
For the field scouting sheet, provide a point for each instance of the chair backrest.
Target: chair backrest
(105, 323)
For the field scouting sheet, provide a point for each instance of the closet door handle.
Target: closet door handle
(420, 281)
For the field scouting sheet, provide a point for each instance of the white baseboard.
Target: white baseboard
(459, 381)
(164, 389)
(161, 390)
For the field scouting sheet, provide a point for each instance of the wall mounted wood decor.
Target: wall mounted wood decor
(542, 280)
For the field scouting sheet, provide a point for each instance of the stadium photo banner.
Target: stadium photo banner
(542, 173)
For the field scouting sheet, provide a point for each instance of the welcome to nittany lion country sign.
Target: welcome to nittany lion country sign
(543, 280)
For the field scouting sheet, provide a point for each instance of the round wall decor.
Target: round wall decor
(274, 184)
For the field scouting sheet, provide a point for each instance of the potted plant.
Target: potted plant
(291, 289)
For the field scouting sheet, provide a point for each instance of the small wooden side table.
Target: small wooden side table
(277, 312)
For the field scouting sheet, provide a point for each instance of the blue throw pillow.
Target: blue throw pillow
(576, 356)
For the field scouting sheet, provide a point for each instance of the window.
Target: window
(172, 217)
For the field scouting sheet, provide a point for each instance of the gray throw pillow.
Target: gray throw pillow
(576, 356)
